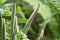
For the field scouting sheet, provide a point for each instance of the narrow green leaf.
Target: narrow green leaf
(44, 10)
(21, 20)
(19, 10)
(29, 21)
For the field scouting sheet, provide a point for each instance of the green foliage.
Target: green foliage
(21, 36)
(43, 25)
(2, 1)
(44, 10)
